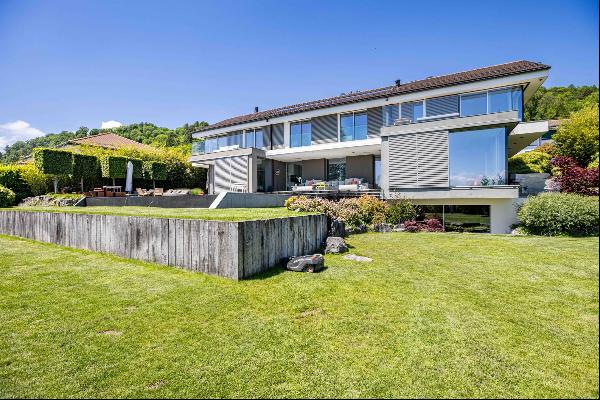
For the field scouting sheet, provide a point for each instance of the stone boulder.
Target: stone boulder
(337, 228)
(382, 227)
(335, 245)
(354, 257)
(357, 229)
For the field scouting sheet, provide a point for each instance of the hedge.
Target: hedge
(7, 197)
(155, 170)
(560, 213)
(85, 166)
(53, 162)
(11, 178)
(113, 167)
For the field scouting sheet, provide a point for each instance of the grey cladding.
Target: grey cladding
(374, 121)
(324, 129)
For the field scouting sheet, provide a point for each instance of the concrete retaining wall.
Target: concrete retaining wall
(234, 250)
(249, 200)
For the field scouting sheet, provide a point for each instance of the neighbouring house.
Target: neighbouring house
(108, 140)
(443, 142)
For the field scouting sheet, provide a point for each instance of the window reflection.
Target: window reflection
(477, 157)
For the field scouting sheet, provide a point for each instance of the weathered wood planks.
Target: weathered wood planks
(235, 250)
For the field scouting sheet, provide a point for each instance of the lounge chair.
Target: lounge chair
(158, 192)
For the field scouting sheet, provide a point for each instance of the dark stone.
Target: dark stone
(335, 245)
(337, 228)
(357, 229)
(312, 263)
(382, 227)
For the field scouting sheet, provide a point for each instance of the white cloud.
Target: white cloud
(110, 124)
(12, 132)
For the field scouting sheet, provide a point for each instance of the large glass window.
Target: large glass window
(412, 111)
(253, 138)
(259, 138)
(477, 157)
(249, 136)
(467, 219)
(473, 104)
(300, 134)
(294, 175)
(353, 126)
(336, 170)
(499, 100)
(377, 171)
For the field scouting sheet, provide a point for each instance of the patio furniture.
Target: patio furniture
(158, 192)
(112, 188)
(239, 187)
(141, 192)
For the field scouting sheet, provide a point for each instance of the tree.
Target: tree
(85, 166)
(53, 162)
(578, 137)
(559, 102)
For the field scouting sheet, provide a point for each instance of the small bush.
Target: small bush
(11, 178)
(529, 162)
(400, 211)
(38, 182)
(560, 213)
(594, 162)
(7, 197)
(574, 179)
(197, 192)
(429, 225)
(547, 148)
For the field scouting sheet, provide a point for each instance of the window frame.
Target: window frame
(353, 113)
(300, 122)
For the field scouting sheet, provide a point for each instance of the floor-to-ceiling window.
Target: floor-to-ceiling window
(300, 134)
(336, 169)
(353, 126)
(477, 157)
(492, 101)
(253, 138)
(377, 171)
(294, 174)
(458, 218)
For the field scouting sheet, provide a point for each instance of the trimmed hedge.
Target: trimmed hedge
(155, 170)
(85, 166)
(53, 162)
(7, 197)
(113, 167)
(529, 162)
(560, 213)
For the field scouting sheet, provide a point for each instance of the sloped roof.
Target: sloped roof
(110, 141)
(479, 74)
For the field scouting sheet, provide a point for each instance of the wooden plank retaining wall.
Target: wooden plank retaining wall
(234, 250)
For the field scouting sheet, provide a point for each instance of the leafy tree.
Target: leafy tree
(559, 102)
(53, 162)
(578, 137)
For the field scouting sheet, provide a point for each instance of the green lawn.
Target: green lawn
(433, 315)
(226, 214)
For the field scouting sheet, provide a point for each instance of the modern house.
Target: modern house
(442, 142)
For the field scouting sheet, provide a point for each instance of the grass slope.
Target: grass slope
(226, 214)
(433, 315)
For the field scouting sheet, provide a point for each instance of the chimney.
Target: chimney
(256, 109)
(398, 82)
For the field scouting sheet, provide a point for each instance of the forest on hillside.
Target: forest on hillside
(547, 103)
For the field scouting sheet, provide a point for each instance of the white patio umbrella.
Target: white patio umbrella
(129, 181)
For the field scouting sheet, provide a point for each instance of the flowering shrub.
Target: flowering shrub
(572, 178)
(356, 211)
(529, 162)
(560, 213)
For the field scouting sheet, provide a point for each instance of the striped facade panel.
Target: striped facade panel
(324, 129)
(432, 164)
(277, 141)
(442, 105)
(403, 161)
(374, 121)
(228, 171)
(267, 139)
(418, 160)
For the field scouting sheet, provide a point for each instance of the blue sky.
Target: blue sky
(65, 64)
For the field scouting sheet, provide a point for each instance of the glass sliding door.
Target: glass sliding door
(336, 170)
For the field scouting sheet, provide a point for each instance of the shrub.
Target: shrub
(400, 211)
(547, 148)
(560, 213)
(11, 178)
(53, 162)
(113, 166)
(197, 192)
(574, 179)
(594, 162)
(7, 197)
(38, 182)
(578, 137)
(429, 225)
(529, 162)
